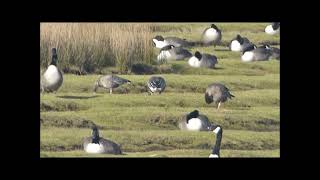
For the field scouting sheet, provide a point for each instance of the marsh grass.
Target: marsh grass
(90, 47)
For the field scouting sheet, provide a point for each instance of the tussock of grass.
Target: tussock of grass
(61, 106)
(66, 122)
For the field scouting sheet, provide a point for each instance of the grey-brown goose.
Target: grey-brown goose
(273, 28)
(110, 82)
(99, 145)
(217, 93)
(52, 78)
(156, 84)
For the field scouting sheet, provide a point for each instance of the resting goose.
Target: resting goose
(256, 54)
(217, 93)
(212, 35)
(161, 42)
(110, 82)
(194, 121)
(99, 145)
(52, 78)
(203, 60)
(156, 84)
(171, 52)
(238, 44)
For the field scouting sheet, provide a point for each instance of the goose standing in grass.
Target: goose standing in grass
(217, 93)
(273, 28)
(216, 148)
(171, 52)
(203, 60)
(256, 54)
(52, 78)
(110, 82)
(238, 44)
(99, 145)
(194, 121)
(161, 42)
(212, 35)
(275, 52)
(156, 84)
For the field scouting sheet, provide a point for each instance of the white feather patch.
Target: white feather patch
(194, 62)
(216, 130)
(52, 74)
(159, 44)
(247, 56)
(94, 148)
(213, 156)
(269, 30)
(235, 46)
(194, 124)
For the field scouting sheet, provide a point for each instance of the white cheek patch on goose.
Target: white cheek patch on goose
(194, 124)
(213, 156)
(217, 130)
(94, 148)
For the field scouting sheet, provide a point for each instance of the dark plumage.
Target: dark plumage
(110, 82)
(216, 148)
(156, 84)
(171, 52)
(217, 93)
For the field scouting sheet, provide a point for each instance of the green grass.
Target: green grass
(146, 126)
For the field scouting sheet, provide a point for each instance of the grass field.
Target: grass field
(146, 126)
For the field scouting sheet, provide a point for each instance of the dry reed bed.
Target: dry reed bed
(90, 47)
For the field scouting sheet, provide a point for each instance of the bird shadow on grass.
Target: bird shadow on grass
(78, 97)
(218, 68)
(222, 50)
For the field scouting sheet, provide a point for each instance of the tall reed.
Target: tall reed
(90, 47)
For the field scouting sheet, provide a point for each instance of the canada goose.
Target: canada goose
(161, 42)
(217, 93)
(156, 84)
(194, 121)
(52, 78)
(273, 28)
(239, 43)
(203, 60)
(216, 148)
(171, 52)
(109, 82)
(275, 52)
(255, 54)
(99, 145)
(211, 34)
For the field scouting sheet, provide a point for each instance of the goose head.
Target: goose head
(95, 135)
(198, 55)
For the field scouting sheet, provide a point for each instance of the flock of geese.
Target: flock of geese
(172, 49)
